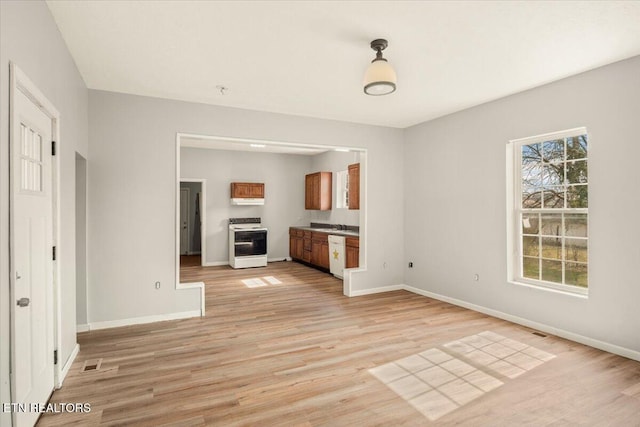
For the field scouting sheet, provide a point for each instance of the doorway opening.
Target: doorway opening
(82, 320)
(192, 223)
(224, 160)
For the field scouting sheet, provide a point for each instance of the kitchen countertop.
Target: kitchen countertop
(335, 232)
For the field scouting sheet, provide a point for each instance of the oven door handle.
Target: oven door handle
(243, 243)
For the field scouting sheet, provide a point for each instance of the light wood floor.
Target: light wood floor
(299, 353)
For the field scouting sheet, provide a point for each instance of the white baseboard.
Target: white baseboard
(376, 290)
(215, 263)
(82, 328)
(141, 320)
(278, 259)
(602, 345)
(67, 366)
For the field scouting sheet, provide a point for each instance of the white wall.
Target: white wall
(334, 161)
(29, 37)
(455, 202)
(81, 240)
(132, 194)
(283, 176)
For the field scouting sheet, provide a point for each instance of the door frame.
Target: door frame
(18, 81)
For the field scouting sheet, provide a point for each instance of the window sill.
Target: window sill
(579, 293)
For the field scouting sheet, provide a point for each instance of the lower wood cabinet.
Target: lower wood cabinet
(352, 249)
(296, 243)
(313, 248)
(300, 244)
(320, 249)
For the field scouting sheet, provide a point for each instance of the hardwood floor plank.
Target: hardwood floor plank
(299, 353)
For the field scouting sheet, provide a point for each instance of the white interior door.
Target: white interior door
(184, 220)
(32, 364)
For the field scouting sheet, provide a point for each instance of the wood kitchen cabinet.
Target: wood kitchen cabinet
(317, 190)
(352, 252)
(296, 243)
(247, 190)
(306, 246)
(320, 249)
(354, 186)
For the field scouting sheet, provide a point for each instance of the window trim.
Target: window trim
(342, 189)
(514, 211)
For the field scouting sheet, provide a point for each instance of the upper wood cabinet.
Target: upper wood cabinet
(247, 190)
(317, 190)
(354, 186)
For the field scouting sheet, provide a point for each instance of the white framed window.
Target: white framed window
(342, 189)
(549, 211)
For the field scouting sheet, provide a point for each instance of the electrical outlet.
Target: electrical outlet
(476, 277)
(157, 285)
(410, 264)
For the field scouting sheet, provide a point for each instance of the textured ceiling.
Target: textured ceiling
(308, 57)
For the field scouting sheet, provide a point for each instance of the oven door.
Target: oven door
(250, 242)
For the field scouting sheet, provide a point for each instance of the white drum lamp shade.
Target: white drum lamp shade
(380, 77)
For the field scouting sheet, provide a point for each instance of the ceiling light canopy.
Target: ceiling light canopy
(380, 78)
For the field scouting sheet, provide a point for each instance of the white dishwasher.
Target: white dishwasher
(336, 255)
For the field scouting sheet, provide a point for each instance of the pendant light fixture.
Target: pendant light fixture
(380, 78)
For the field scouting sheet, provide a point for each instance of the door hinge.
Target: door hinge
(55, 357)
(53, 148)
(54, 253)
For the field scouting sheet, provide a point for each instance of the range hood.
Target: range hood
(247, 201)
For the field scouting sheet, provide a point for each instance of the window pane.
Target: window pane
(576, 250)
(552, 247)
(532, 174)
(530, 246)
(577, 196)
(553, 174)
(577, 172)
(531, 154)
(531, 198)
(577, 147)
(553, 197)
(530, 268)
(530, 223)
(576, 274)
(551, 224)
(575, 225)
(552, 271)
(553, 151)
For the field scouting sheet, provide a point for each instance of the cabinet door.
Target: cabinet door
(317, 190)
(324, 255)
(352, 252)
(292, 246)
(352, 258)
(299, 250)
(256, 190)
(310, 184)
(247, 190)
(354, 186)
(315, 252)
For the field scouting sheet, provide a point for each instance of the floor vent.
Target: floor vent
(540, 334)
(91, 365)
